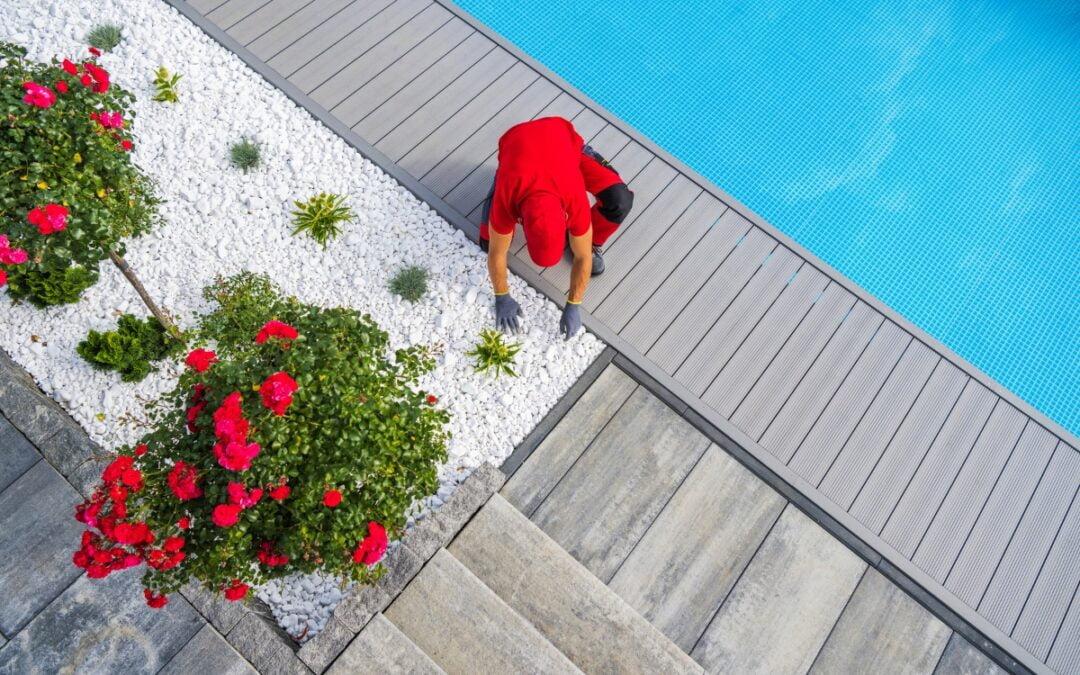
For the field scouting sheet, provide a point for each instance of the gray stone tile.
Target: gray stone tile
(782, 608)
(102, 626)
(575, 611)
(16, 453)
(223, 614)
(208, 653)
(604, 505)
(962, 658)
(321, 650)
(473, 493)
(38, 534)
(382, 648)
(429, 535)
(87, 476)
(357, 608)
(539, 475)
(401, 566)
(883, 630)
(32, 413)
(685, 565)
(431, 610)
(259, 642)
(68, 447)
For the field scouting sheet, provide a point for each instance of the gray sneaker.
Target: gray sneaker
(597, 261)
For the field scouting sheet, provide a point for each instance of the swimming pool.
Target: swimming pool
(930, 151)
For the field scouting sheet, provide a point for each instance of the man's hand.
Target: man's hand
(570, 323)
(507, 311)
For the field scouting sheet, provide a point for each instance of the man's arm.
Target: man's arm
(498, 251)
(582, 269)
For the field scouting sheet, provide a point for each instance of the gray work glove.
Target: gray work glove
(570, 323)
(507, 311)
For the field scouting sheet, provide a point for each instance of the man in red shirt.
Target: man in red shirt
(544, 172)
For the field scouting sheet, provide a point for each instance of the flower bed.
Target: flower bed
(219, 220)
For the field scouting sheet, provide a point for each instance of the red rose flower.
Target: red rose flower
(184, 523)
(116, 468)
(225, 515)
(372, 548)
(432, 399)
(86, 80)
(132, 478)
(280, 492)
(193, 414)
(241, 497)
(3, 277)
(140, 450)
(155, 600)
(69, 67)
(11, 256)
(268, 557)
(200, 359)
(95, 51)
(332, 498)
(183, 480)
(277, 391)
(173, 544)
(275, 328)
(126, 145)
(62, 87)
(52, 218)
(37, 95)
(236, 456)
(236, 591)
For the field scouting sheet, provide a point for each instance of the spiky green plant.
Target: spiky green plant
(245, 154)
(321, 217)
(410, 283)
(165, 85)
(105, 36)
(494, 354)
(130, 348)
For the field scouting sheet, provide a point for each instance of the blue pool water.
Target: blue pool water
(930, 151)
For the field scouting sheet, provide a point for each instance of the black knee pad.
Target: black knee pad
(615, 202)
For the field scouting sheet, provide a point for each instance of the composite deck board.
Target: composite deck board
(700, 311)
(331, 31)
(812, 455)
(880, 490)
(689, 287)
(736, 376)
(422, 90)
(1065, 653)
(752, 410)
(1027, 550)
(970, 489)
(380, 56)
(908, 521)
(347, 52)
(1000, 514)
(368, 95)
(842, 478)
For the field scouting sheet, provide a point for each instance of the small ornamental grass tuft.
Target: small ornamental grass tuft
(245, 155)
(105, 36)
(410, 283)
(494, 354)
(165, 85)
(130, 348)
(321, 217)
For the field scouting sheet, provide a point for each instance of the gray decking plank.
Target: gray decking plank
(752, 357)
(471, 192)
(310, 44)
(653, 271)
(450, 171)
(611, 496)
(908, 521)
(626, 252)
(841, 481)
(292, 28)
(388, 51)
(1020, 566)
(886, 482)
(1065, 653)
(691, 556)
(798, 412)
(342, 54)
(782, 608)
(465, 122)
(412, 130)
(233, 11)
(428, 85)
(374, 92)
(987, 539)
(732, 327)
(975, 479)
(1048, 603)
(205, 6)
(698, 312)
(609, 142)
(539, 475)
(811, 455)
(262, 20)
(629, 162)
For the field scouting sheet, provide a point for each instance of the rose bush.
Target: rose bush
(295, 445)
(69, 192)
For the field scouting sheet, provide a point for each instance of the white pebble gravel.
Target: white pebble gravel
(220, 221)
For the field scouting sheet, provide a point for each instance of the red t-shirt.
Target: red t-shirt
(539, 181)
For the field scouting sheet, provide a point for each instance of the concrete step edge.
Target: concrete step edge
(383, 648)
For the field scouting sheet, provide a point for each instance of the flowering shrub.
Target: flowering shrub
(69, 191)
(299, 446)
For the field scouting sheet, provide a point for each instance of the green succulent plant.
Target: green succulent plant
(410, 283)
(245, 155)
(321, 217)
(494, 354)
(105, 36)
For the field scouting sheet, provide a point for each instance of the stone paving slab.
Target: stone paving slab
(38, 534)
(963, 658)
(16, 453)
(382, 648)
(102, 626)
(208, 654)
(223, 614)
